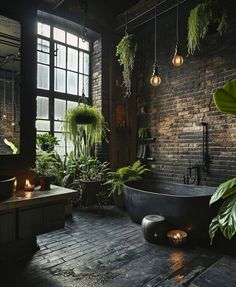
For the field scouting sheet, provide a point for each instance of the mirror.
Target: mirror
(10, 40)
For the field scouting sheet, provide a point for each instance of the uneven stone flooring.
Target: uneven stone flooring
(104, 248)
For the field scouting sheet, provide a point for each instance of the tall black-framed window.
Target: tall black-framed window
(63, 73)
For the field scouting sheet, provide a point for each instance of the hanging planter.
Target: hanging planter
(126, 50)
(201, 19)
(85, 126)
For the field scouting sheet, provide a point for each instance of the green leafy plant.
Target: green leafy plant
(126, 50)
(225, 98)
(225, 220)
(204, 15)
(85, 135)
(47, 164)
(125, 174)
(46, 142)
(86, 169)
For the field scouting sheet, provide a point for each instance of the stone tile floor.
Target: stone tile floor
(104, 248)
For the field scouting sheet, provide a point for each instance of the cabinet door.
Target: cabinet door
(30, 222)
(7, 227)
(54, 217)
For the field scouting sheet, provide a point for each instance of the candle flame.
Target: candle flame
(27, 182)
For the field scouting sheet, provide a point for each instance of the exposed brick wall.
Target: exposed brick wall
(184, 99)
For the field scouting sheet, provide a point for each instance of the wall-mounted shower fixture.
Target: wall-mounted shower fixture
(205, 156)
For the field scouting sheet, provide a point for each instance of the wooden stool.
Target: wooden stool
(154, 228)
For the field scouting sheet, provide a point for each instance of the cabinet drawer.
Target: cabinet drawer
(30, 222)
(54, 217)
(7, 227)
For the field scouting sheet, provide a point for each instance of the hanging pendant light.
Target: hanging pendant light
(177, 60)
(155, 79)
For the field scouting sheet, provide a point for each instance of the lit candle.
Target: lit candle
(28, 186)
(177, 237)
(15, 185)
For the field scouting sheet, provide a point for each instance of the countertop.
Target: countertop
(30, 198)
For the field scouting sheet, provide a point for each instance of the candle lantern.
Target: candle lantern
(28, 186)
(177, 237)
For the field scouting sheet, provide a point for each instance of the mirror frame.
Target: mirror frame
(21, 163)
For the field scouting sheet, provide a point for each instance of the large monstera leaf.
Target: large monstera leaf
(225, 98)
(225, 220)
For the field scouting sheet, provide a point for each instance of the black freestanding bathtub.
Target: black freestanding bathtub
(185, 207)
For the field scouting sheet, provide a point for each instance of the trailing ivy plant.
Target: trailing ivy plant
(201, 18)
(126, 50)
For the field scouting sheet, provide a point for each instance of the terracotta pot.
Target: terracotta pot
(45, 182)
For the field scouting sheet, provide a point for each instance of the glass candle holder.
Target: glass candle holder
(177, 237)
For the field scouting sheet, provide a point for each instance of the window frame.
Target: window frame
(50, 94)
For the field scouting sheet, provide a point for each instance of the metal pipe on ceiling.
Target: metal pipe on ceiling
(151, 18)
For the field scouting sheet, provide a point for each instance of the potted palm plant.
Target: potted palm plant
(118, 178)
(85, 126)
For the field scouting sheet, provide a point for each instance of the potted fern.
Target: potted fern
(201, 19)
(85, 126)
(126, 50)
(117, 179)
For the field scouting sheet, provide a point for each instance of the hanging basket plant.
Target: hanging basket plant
(126, 50)
(201, 19)
(85, 126)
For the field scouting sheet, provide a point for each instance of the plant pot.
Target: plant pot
(90, 189)
(45, 182)
(84, 119)
(6, 186)
(119, 200)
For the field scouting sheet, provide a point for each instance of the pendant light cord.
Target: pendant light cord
(155, 31)
(4, 94)
(177, 22)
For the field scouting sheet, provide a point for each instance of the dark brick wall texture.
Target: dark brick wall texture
(184, 99)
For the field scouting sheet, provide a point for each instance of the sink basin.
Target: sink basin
(6, 186)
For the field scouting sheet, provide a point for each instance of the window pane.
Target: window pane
(43, 58)
(61, 147)
(83, 44)
(42, 108)
(83, 80)
(59, 80)
(71, 39)
(58, 126)
(71, 104)
(42, 77)
(59, 109)
(86, 63)
(43, 45)
(43, 29)
(43, 125)
(59, 35)
(72, 60)
(60, 56)
(72, 83)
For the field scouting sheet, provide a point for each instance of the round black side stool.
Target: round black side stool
(154, 228)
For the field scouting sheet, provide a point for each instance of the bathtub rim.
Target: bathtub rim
(170, 195)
